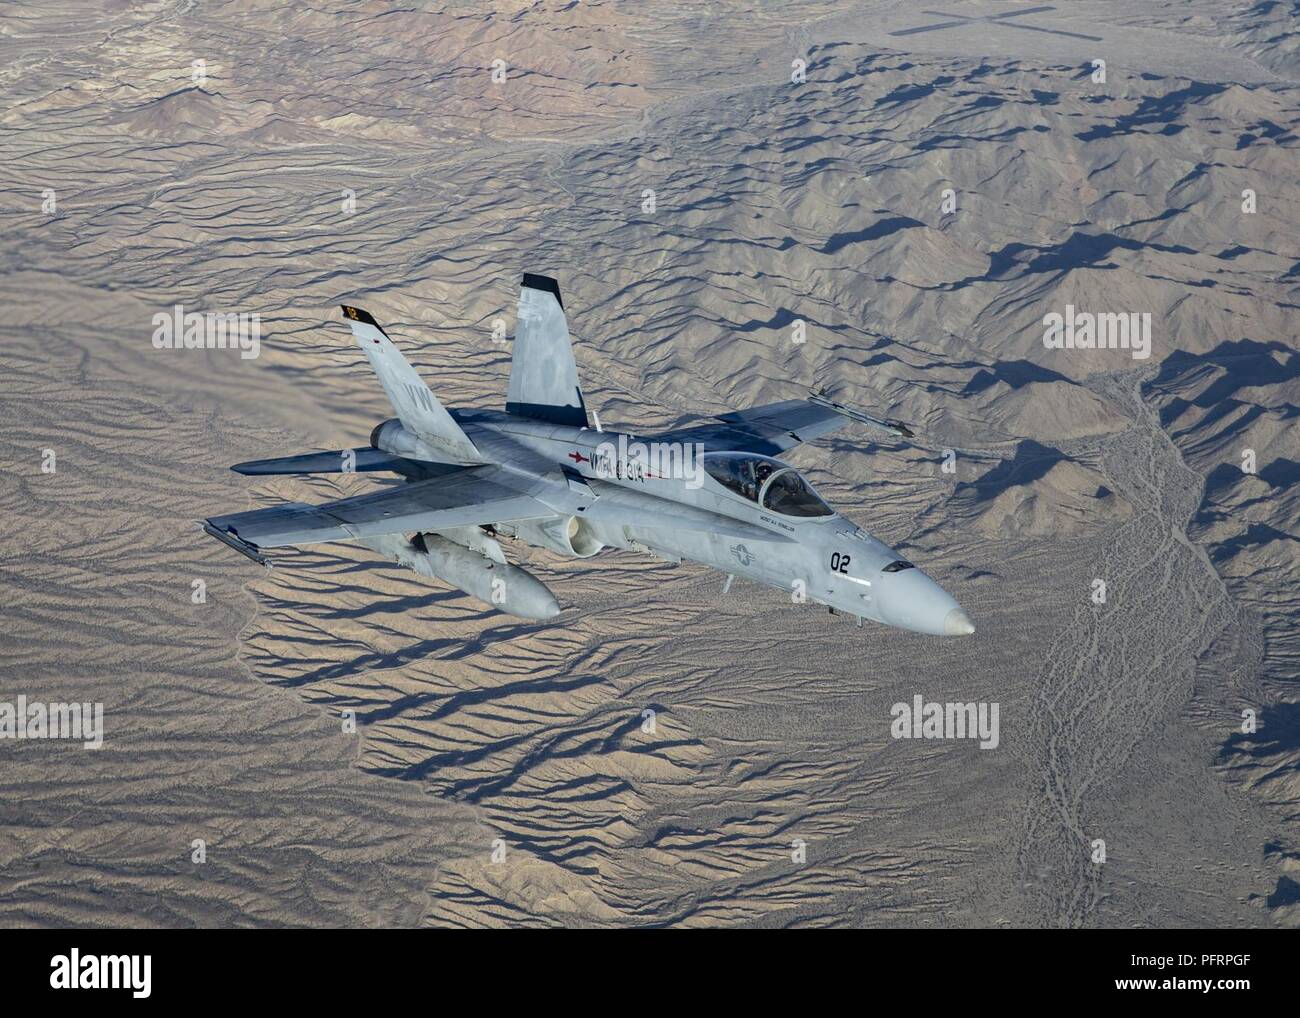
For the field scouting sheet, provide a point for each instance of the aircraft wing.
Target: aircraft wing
(468, 497)
(769, 430)
(775, 427)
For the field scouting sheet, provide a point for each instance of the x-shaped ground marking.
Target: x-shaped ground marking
(962, 19)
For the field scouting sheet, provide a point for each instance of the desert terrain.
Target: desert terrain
(700, 179)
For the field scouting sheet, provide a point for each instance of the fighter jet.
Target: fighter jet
(538, 472)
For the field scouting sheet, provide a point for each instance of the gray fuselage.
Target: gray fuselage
(821, 558)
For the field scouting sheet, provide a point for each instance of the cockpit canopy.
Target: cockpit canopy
(775, 486)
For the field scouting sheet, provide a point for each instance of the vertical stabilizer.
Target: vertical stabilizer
(543, 375)
(414, 403)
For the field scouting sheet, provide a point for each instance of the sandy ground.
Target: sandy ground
(501, 772)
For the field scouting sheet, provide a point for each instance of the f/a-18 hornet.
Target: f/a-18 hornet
(538, 472)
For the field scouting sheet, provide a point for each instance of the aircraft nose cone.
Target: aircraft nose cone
(957, 623)
(912, 600)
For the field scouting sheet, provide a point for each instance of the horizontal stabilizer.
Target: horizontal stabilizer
(345, 461)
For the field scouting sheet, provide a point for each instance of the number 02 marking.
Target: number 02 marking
(839, 563)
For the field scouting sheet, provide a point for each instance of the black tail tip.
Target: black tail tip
(359, 315)
(544, 283)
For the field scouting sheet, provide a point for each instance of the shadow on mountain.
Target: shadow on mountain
(1013, 373)
(1031, 463)
(1286, 893)
(1278, 733)
(875, 231)
(1256, 535)
(1250, 363)
(1079, 250)
(1164, 110)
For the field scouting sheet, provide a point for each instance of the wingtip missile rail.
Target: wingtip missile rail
(898, 428)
